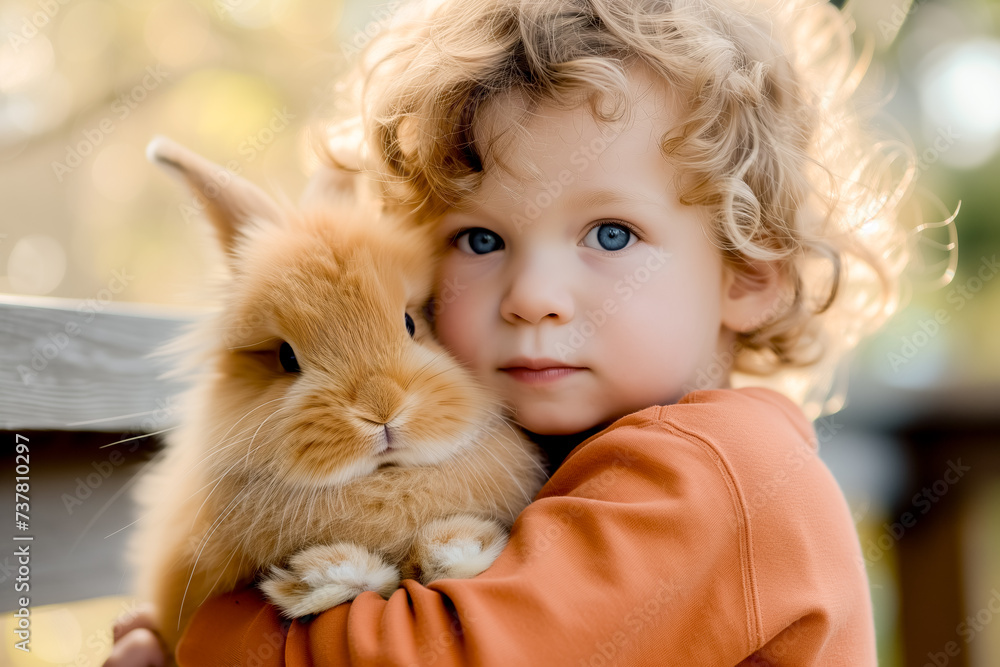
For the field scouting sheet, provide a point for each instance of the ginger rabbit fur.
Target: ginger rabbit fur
(328, 444)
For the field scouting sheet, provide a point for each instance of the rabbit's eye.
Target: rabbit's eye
(410, 327)
(286, 355)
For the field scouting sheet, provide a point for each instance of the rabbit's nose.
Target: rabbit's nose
(381, 398)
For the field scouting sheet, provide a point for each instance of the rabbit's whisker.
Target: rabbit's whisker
(189, 496)
(108, 419)
(261, 342)
(222, 572)
(464, 465)
(507, 470)
(220, 447)
(248, 413)
(250, 444)
(418, 374)
(517, 436)
(139, 437)
(236, 462)
(204, 543)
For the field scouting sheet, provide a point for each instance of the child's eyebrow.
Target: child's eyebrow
(601, 197)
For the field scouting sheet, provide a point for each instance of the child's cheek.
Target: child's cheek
(456, 324)
(448, 333)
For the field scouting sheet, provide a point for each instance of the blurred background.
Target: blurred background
(85, 84)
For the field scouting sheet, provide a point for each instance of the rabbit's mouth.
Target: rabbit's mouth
(386, 438)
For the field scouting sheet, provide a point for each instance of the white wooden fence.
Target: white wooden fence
(83, 366)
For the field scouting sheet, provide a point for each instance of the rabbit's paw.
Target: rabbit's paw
(458, 547)
(323, 576)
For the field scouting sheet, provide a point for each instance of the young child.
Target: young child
(639, 199)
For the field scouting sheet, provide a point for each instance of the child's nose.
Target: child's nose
(538, 290)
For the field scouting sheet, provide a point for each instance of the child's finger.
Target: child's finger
(138, 648)
(142, 617)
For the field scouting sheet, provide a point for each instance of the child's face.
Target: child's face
(597, 269)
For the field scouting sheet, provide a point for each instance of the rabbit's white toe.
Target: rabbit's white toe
(321, 577)
(459, 547)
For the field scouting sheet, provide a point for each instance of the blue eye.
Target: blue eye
(410, 326)
(611, 236)
(479, 241)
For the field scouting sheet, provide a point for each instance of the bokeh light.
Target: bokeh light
(40, 105)
(36, 265)
(24, 60)
(86, 30)
(960, 94)
(119, 172)
(176, 33)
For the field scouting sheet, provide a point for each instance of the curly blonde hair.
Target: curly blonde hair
(771, 140)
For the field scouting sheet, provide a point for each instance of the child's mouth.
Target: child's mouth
(541, 375)
(538, 370)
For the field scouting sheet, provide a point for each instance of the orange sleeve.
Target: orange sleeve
(645, 547)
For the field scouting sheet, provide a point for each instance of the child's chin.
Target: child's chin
(560, 425)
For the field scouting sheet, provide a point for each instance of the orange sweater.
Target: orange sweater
(703, 533)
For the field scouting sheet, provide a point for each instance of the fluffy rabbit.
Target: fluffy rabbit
(328, 445)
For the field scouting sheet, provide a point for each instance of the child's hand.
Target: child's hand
(136, 643)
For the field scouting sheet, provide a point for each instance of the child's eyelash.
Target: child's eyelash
(454, 237)
(620, 223)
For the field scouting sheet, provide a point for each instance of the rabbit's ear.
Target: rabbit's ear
(230, 200)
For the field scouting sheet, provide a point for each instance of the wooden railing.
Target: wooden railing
(84, 366)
